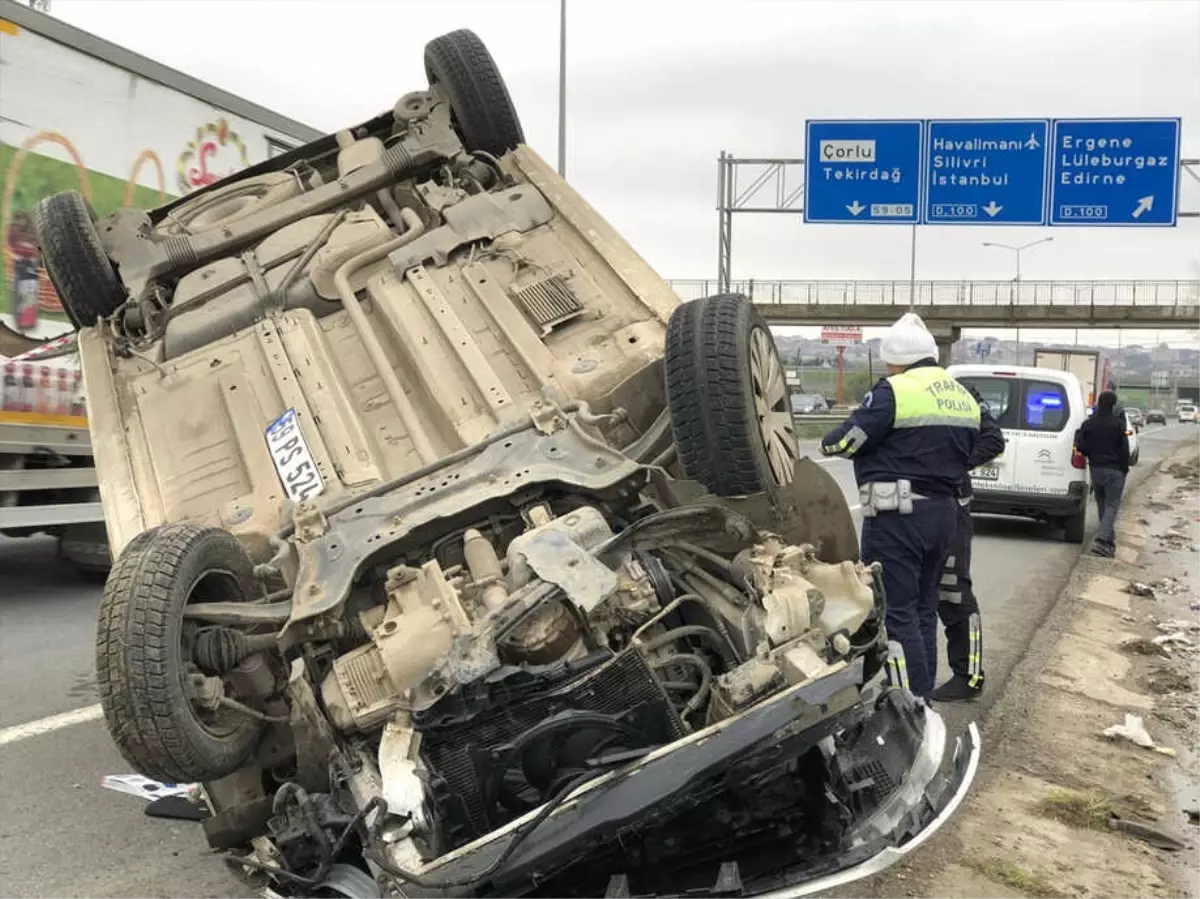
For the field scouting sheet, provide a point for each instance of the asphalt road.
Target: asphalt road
(62, 834)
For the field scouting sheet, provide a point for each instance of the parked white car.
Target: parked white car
(1040, 474)
(808, 404)
(1132, 434)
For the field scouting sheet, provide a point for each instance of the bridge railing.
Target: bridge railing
(956, 293)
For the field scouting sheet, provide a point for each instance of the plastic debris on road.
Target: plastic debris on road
(1134, 730)
(1137, 588)
(137, 785)
(1176, 626)
(1173, 639)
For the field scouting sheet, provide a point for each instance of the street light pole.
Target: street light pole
(1017, 251)
(562, 88)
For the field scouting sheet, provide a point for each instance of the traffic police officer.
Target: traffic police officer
(910, 442)
(958, 607)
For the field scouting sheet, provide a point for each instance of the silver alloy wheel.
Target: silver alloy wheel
(775, 424)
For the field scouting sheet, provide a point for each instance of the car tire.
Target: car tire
(727, 396)
(1074, 526)
(481, 106)
(84, 278)
(1133, 460)
(140, 658)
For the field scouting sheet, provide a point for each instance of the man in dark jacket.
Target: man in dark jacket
(957, 606)
(1103, 443)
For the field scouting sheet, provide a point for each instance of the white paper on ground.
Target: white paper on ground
(136, 785)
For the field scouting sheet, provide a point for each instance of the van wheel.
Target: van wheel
(727, 395)
(78, 267)
(1074, 526)
(1133, 460)
(151, 689)
(480, 104)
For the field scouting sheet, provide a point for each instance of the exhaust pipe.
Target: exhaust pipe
(141, 260)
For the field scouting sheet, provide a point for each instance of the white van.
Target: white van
(1040, 474)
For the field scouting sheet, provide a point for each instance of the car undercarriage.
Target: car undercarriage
(456, 556)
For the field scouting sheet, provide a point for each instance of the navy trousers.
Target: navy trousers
(912, 549)
(959, 609)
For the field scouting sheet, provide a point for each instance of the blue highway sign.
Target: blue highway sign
(986, 171)
(1115, 172)
(863, 171)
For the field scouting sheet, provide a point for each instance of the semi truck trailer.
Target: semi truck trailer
(81, 113)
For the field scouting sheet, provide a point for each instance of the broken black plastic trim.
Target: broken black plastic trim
(807, 713)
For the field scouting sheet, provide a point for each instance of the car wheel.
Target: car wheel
(77, 265)
(1073, 526)
(480, 104)
(1133, 460)
(727, 395)
(144, 662)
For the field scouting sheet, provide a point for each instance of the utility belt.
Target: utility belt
(887, 496)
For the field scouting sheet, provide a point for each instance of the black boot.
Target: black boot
(958, 689)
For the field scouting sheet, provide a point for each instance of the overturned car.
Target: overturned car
(456, 555)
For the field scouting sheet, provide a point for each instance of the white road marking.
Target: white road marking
(19, 732)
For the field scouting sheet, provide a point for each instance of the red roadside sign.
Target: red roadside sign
(841, 336)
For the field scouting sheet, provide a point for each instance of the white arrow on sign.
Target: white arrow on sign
(991, 209)
(855, 208)
(1145, 204)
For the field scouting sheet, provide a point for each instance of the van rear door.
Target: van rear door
(1002, 394)
(1035, 415)
(1047, 422)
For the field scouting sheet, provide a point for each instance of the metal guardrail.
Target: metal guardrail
(954, 293)
(828, 419)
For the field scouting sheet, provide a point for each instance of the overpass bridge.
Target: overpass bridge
(949, 306)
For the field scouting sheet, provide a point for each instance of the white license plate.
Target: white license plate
(294, 463)
(986, 473)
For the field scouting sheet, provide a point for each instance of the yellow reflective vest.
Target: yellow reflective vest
(928, 396)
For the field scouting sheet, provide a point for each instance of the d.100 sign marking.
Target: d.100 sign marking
(1115, 172)
(986, 172)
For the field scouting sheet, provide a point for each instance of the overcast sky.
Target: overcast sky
(657, 88)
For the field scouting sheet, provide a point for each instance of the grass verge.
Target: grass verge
(1009, 873)
(812, 431)
(1087, 811)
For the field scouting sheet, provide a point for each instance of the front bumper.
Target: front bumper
(657, 794)
(965, 765)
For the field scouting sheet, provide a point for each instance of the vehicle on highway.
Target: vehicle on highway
(1093, 368)
(1131, 434)
(1136, 418)
(1156, 416)
(1040, 474)
(808, 404)
(453, 548)
(1186, 412)
(47, 480)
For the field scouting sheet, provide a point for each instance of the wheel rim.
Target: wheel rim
(775, 425)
